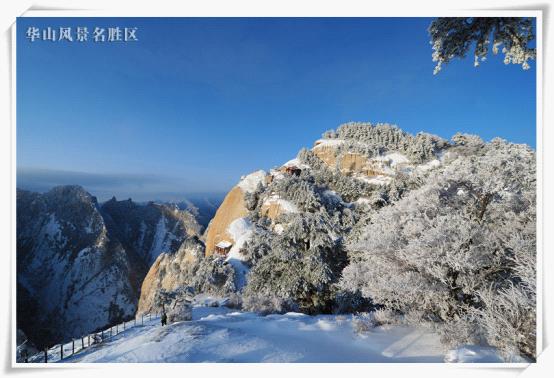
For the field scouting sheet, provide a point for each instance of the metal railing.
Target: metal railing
(59, 352)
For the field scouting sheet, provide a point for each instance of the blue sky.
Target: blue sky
(196, 103)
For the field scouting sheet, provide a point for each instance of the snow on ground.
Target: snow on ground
(220, 334)
(224, 244)
(52, 230)
(159, 244)
(477, 353)
(333, 196)
(327, 143)
(429, 165)
(363, 200)
(240, 230)
(284, 205)
(375, 180)
(394, 159)
(296, 163)
(278, 229)
(249, 183)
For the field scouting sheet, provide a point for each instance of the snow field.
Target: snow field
(219, 334)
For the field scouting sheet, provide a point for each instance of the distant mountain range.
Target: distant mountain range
(202, 206)
(80, 264)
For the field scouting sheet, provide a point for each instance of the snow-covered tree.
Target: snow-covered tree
(300, 270)
(453, 37)
(213, 275)
(459, 250)
(373, 140)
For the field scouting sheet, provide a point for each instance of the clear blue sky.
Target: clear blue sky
(196, 103)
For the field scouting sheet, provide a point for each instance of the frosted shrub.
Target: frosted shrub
(213, 275)
(234, 301)
(299, 191)
(386, 317)
(381, 138)
(362, 323)
(509, 319)
(463, 331)
(176, 304)
(459, 249)
(349, 188)
(308, 157)
(347, 302)
(251, 198)
(265, 304)
(257, 246)
(468, 140)
(329, 134)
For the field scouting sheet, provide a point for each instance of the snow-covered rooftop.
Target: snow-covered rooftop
(224, 244)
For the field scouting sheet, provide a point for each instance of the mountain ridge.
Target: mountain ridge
(78, 269)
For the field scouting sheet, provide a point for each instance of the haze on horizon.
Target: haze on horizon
(197, 102)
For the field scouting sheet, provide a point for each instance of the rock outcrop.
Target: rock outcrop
(170, 272)
(232, 208)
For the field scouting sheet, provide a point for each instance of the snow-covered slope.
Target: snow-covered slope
(219, 334)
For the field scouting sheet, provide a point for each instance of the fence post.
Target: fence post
(150, 316)
(82, 342)
(72, 346)
(142, 320)
(61, 351)
(111, 331)
(124, 325)
(45, 355)
(102, 333)
(89, 339)
(135, 321)
(116, 329)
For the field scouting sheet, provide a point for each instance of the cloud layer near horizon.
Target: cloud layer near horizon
(140, 187)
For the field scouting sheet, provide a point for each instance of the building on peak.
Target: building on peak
(223, 247)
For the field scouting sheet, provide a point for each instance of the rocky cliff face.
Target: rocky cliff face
(232, 208)
(148, 230)
(170, 272)
(80, 265)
